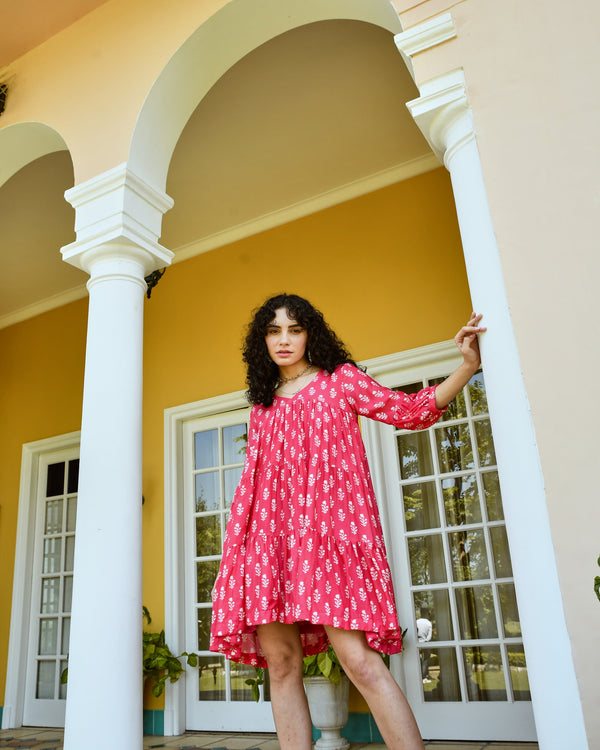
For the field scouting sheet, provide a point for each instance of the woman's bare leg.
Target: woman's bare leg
(283, 651)
(367, 670)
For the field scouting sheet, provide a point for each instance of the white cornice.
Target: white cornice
(426, 35)
(44, 305)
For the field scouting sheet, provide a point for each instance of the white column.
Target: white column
(444, 117)
(118, 222)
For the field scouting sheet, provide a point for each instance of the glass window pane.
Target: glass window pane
(208, 535)
(50, 596)
(45, 680)
(502, 563)
(71, 513)
(442, 683)
(485, 442)
(48, 637)
(207, 491)
(204, 616)
(207, 574)
(66, 634)
(235, 439)
(52, 550)
(435, 607)
(73, 476)
(427, 559)
(477, 394)
(211, 678)
(62, 689)
(518, 673)
(510, 612)
(414, 451)
(461, 500)
(457, 408)
(454, 448)
(53, 523)
(485, 676)
(469, 555)
(232, 479)
(493, 499)
(239, 673)
(420, 506)
(55, 480)
(206, 449)
(69, 552)
(68, 593)
(476, 613)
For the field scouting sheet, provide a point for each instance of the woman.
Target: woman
(304, 561)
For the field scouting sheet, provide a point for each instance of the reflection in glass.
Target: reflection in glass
(457, 408)
(211, 678)
(66, 634)
(68, 593)
(510, 612)
(204, 615)
(485, 442)
(469, 555)
(45, 680)
(427, 559)
(435, 606)
(442, 683)
(206, 449)
(50, 596)
(420, 506)
(235, 439)
(454, 448)
(518, 673)
(485, 676)
(476, 613)
(55, 480)
(502, 563)
(461, 500)
(477, 394)
(207, 491)
(62, 689)
(73, 477)
(239, 673)
(53, 523)
(208, 535)
(69, 552)
(52, 550)
(207, 574)
(48, 637)
(414, 450)
(232, 479)
(71, 513)
(493, 499)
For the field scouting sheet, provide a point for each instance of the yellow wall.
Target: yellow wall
(386, 269)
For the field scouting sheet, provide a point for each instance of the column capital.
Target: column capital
(443, 115)
(117, 215)
(424, 36)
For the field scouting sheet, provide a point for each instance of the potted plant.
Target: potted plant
(326, 688)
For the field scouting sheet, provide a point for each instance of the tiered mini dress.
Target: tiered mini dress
(304, 542)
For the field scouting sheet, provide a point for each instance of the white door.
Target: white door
(52, 586)
(217, 697)
(451, 564)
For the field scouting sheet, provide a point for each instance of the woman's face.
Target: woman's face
(286, 340)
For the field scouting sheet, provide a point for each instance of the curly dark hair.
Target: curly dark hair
(324, 348)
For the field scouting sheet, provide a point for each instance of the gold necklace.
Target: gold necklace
(295, 377)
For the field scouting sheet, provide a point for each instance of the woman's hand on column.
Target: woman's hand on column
(468, 345)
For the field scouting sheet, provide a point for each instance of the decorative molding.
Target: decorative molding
(117, 208)
(350, 190)
(426, 35)
(44, 305)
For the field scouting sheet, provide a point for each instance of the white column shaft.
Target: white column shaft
(104, 706)
(555, 695)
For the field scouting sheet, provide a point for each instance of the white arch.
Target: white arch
(230, 34)
(25, 142)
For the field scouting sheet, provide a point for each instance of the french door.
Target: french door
(51, 587)
(464, 667)
(217, 697)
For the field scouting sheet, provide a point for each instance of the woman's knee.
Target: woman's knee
(364, 667)
(283, 652)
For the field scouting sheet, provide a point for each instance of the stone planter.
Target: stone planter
(328, 704)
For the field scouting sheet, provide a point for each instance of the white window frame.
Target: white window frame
(14, 697)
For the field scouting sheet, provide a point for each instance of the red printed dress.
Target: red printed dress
(304, 542)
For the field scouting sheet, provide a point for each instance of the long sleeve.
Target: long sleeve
(365, 396)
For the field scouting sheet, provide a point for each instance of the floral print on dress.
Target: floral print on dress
(304, 542)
